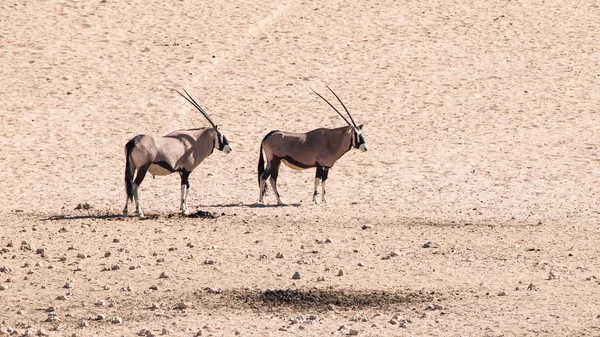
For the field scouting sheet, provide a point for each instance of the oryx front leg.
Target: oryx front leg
(185, 189)
(318, 176)
(323, 179)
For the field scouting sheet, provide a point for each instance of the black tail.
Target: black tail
(128, 171)
(261, 163)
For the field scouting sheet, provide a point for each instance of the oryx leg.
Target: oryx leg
(129, 182)
(323, 179)
(185, 189)
(276, 162)
(318, 176)
(136, 184)
(263, 182)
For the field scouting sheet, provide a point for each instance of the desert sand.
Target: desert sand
(475, 211)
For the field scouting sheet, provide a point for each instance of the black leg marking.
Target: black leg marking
(319, 172)
(141, 174)
(185, 178)
(325, 172)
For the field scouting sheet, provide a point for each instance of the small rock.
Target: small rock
(163, 275)
(502, 293)
(42, 332)
(3, 286)
(208, 261)
(395, 253)
(296, 276)
(155, 306)
(279, 256)
(320, 278)
(340, 272)
(532, 287)
(553, 275)
(51, 309)
(68, 285)
(181, 305)
(367, 227)
(353, 332)
(328, 240)
(61, 298)
(360, 264)
(403, 324)
(116, 320)
(431, 245)
(84, 324)
(100, 317)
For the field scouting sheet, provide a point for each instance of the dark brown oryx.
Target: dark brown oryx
(319, 148)
(180, 151)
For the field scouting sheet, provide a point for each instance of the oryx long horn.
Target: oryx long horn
(336, 110)
(349, 115)
(193, 102)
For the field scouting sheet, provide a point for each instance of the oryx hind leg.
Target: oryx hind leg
(318, 176)
(273, 180)
(263, 182)
(185, 189)
(141, 174)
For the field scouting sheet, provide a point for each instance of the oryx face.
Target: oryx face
(359, 140)
(223, 143)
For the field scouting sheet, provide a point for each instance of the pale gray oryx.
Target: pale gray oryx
(319, 148)
(180, 151)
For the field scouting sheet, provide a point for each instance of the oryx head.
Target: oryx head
(357, 140)
(221, 142)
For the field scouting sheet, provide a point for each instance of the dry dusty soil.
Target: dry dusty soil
(475, 211)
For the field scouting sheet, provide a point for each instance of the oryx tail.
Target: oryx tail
(128, 169)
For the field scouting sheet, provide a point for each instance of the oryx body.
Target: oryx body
(180, 151)
(319, 148)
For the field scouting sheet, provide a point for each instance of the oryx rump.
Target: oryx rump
(319, 148)
(180, 151)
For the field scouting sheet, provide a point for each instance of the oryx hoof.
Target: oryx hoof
(125, 213)
(185, 212)
(280, 202)
(316, 201)
(324, 201)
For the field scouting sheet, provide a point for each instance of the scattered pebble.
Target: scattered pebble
(502, 293)
(163, 275)
(116, 320)
(532, 286)
(181, 305)
(296, 276)
(340, 272)
(367, 227)
(431, 245)
(279, 256)
(353, 332)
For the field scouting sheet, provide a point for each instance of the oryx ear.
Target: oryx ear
(360, 127)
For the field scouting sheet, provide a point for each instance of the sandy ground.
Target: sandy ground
(483, 133)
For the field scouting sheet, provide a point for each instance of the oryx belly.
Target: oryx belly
(158, 170)
(292, 166)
